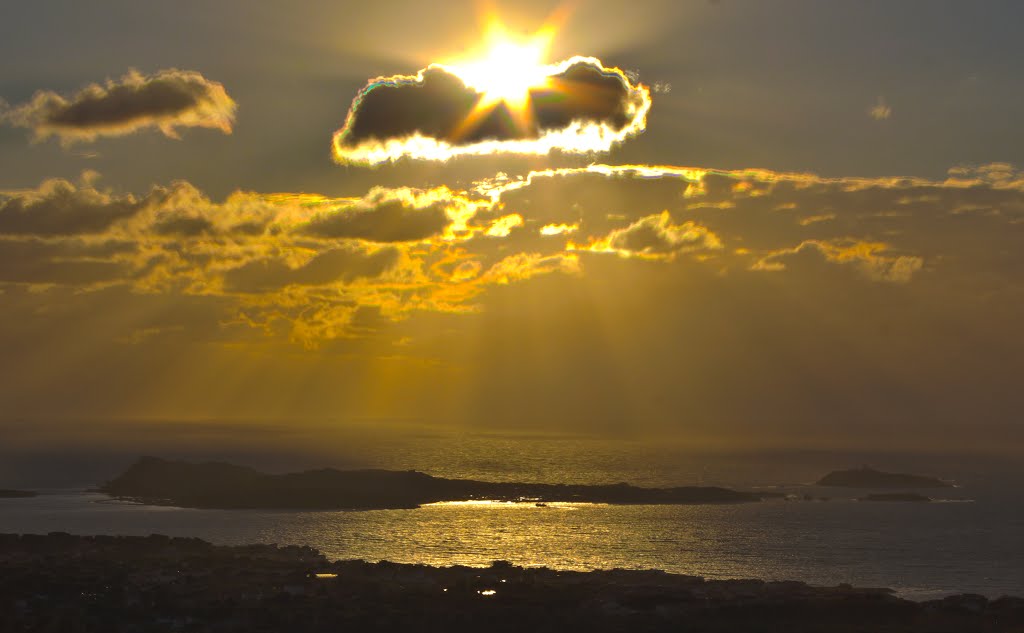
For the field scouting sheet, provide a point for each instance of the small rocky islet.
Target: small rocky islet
(865, 477)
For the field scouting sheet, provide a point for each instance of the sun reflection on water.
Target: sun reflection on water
(822, 543)
(513, 505)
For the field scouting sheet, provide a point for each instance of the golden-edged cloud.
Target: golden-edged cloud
(302, 262)
(59, 207)
(654, 237)
(165, 101)
(341, 264)
(313, 268)
(390, 215)
(575, 106)
(872, 258)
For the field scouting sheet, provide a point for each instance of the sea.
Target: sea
(969, 539)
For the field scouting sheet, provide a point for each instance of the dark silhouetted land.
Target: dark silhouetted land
(108, 584)
(896, 496)
(226, 486)
(16, 494)
(869, 478)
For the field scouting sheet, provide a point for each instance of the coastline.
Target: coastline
(113, 583)
(819, 543)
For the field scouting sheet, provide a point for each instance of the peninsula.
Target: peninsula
(226, 486)
(868, 478)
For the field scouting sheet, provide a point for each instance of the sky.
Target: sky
(784, 224)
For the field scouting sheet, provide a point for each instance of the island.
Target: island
(109, 584)
(226, 486)
(17, 494)
(896, 496)
(865, 477)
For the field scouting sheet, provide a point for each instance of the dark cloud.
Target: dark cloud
(438, 106)
(167, 100)
(59, 207)
(393, 220)
(185, 226)
(433, 106)
(70, 262)
(340, 264)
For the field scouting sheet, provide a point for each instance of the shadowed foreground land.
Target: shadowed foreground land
(111, 584)
(219, 485)
(16, 494)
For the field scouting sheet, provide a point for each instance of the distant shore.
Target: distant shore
(227, 486)
(109, 584)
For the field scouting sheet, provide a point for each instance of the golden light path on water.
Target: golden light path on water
(558, 535)
(513, 505)
(821, 543)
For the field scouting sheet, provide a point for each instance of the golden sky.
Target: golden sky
(307, 225)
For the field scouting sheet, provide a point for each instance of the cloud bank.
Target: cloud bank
(304, 266)
(166, 101)
(743, 301)
(434, 115)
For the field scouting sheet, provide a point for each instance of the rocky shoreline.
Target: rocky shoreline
(61, 582)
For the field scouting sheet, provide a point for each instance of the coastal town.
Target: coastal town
(115, 584)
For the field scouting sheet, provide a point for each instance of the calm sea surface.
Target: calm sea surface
(972, 541)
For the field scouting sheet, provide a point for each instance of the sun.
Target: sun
(506, 73)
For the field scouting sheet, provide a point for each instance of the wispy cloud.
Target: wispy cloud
(654, 237)
(880, 111)
(870, 257)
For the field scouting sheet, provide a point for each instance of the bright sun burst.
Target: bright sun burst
(512, 87)
(507, 72)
